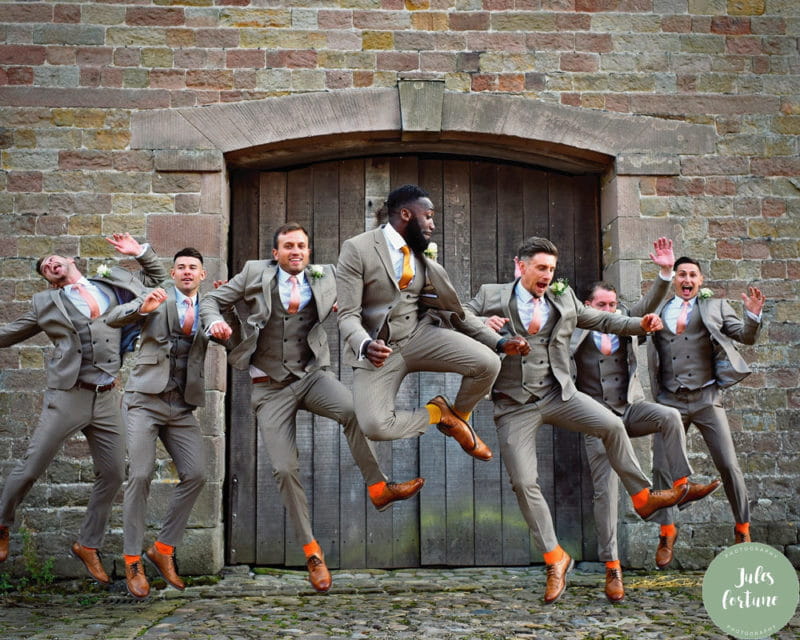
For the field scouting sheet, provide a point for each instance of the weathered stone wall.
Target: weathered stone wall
(76, 76)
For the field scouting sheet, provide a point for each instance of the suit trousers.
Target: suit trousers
(65, 413)
(703, 408)
(429, 348)
(276, 406)
(148, 417)
(640, 419)
(517, 425)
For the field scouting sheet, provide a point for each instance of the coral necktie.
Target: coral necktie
(294, 296)
(683, 318)
(94, 308)
(605, 344)
(188, 318)
(407, 274)
(536, 320)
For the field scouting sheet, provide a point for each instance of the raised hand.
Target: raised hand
(754, 300)
(664, 256)
(153, 300)
(220, 330)
(125, 243)
(495, 323)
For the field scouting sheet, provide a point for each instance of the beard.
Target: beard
(414, 237)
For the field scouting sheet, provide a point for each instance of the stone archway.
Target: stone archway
(420, 116)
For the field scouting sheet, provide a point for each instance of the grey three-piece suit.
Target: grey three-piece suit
(613, 380)
(84, 350)
(417, 323)
(687, 372)
(165, 386)
(292, 349)
(537, 388)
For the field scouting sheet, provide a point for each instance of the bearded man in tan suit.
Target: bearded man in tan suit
(287, 355)
(81, 379)
(397, 314)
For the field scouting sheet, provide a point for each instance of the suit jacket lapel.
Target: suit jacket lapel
(382, 247)
(58, 301)
(172, 310)
(269, 274)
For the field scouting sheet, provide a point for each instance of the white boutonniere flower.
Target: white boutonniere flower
(559, 286)
(104, 271)
(705, 293)
(315, 271)
(432, 251)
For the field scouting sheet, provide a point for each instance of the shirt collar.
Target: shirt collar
(283, 277)
(679, 301)
(82, 280)
(394, 239)
(522, 293)
(179, 297)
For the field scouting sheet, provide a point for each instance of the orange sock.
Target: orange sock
(668, 530)
(435, 414)
(132, 559)
(312, 549)
(553, 556)
(742, 527)
(375, 490)
(164, 549)
(613, 564)
(640, 499)
(680, 481)
(462, 415)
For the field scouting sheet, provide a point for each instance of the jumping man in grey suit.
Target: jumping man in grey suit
(397, 311)
(536, 389)
(690, 361)
(288, 358)
(163, 389)
(81, 375)
(606, 369)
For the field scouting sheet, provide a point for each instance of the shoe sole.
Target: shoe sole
(689, 503)
(564, 588)
(91, 575)
(155, 566)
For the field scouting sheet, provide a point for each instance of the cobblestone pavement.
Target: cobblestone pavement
(437, 604)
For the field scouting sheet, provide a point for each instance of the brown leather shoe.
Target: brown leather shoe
(4, 544)
(136, 581)
(453, 426)
(664, 551)
(394, 491)
(741, 537)
(165, 564)
(661, 500)
(557, 578)
(698, 492)
(615, 591)
(318, 573)
(91, 558)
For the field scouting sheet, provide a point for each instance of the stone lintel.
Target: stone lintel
(189, 160)
(645, 164)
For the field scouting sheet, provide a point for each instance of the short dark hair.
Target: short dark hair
(534, 245)
(188, 252)
(403, 196)
(686, 260)
(599, 284)
(39, 265)
(287, 228)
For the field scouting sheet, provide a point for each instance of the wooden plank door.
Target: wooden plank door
(467, 513)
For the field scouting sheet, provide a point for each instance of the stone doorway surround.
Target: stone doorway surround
(198, 145)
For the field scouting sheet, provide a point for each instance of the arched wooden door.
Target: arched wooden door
(467, 513)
